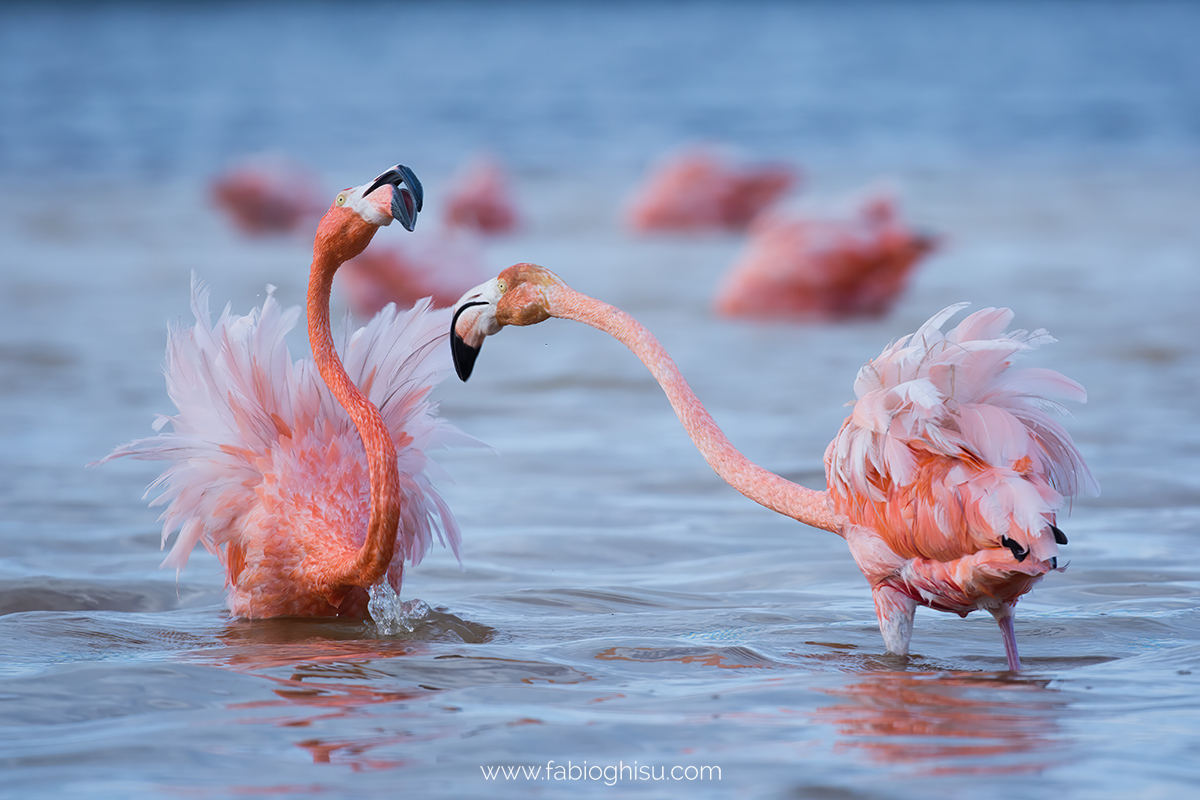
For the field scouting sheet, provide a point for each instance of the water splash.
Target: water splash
(391, 615)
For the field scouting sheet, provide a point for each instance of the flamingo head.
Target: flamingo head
(401, 201)
(517, 296)
(357, 212)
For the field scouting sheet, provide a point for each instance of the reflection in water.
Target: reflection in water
(335, 700)
(948, 723)
(935, 722)
(332, 673)
(719, 657)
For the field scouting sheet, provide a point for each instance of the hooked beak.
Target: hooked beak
(408, 197)
(474, 320)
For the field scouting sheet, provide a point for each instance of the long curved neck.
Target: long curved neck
(370, 563)
(760, 485)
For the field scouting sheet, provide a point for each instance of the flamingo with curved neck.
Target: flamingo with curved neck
(945, 481)
(343, 233)
(307, 478)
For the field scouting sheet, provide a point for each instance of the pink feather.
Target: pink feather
(256, 431)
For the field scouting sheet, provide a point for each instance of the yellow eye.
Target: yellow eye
(341, 199)
(502, 286)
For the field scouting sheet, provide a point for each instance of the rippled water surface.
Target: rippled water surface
(617, 604)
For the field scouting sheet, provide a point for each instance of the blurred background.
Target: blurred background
(162, 90)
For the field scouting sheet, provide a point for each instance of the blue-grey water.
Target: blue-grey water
(617, 605)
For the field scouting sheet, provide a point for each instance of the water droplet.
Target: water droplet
(391, 615)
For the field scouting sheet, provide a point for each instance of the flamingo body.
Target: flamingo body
(441, 264)
(479, 198)
(307, 478)
(700, 190)
(950, 472)
(267, 469)
(264, 198)
(945, 480)
(810, 268)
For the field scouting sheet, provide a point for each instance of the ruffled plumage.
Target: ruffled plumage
(263, 459)
(951, 450)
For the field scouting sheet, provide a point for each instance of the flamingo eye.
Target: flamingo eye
(341, 199)
(502, 286)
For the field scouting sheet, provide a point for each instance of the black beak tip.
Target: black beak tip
(414, 184)
(409, 197)
(464, 356)
(404, 208)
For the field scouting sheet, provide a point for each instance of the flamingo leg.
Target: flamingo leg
(1004, 618)
(895, 611)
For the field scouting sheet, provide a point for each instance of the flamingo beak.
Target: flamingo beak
(474, 320)
(408, 197)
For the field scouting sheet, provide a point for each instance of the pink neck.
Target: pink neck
(760, 485)
(370, 563)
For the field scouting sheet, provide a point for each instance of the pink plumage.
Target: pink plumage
(951, 470)
(264, 197)
(816, 268)
(266, 468)
(699, 189)
(479, 198)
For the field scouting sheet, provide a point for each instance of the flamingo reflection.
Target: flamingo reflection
(363, 699)
(948, 723)
(326, 677)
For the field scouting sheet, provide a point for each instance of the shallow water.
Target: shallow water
(617, 605)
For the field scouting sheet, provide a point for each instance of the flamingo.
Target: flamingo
(309, 485)
(803, 267)
(440, 264)
(478, 198)
(945, 480)
(698, 189)
(267, 196)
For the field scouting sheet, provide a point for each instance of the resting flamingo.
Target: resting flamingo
(309, 485)
(440, 264)
(267, 196)
(700, 189)
(819, 268)
(945, 481)
(478, 198)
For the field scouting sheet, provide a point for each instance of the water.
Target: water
(617, 605)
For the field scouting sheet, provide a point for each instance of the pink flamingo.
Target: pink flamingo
(809, 268)
(263, 198)
(478, 198)
(945, 481)
(440, 265)
(700, 190)
(309, 487)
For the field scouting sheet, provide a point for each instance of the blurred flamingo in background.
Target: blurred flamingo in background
(812, 268)
(700, 189)
(945, 480)
(267, 195)
(439, 264)
(309, 487)
(479, 198)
